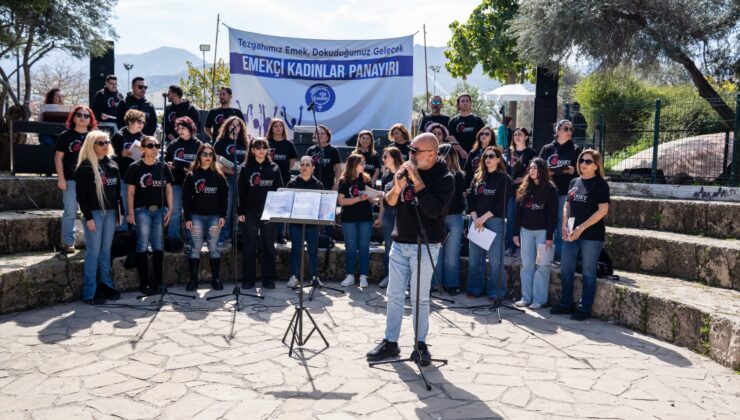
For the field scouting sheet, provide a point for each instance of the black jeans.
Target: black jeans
(258, 233)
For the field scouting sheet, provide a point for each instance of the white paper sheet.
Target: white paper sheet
(278, 204)
(135, 150)
(483, 238)
(306, 205)
(545, 254)
(328, 208)
(571, 224)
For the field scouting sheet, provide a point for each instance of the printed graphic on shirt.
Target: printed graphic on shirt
(75, 146)
(201, 188)
(255, 180)
(147, 181)
(482, 189)
(112, 102)
(531, 205)
(461, 128)
(277, 157)
(573, 195)
(108, 182)
(409, 194)
(182, 156)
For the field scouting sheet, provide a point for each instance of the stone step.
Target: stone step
(29, 230)
(711, 261)
(29, 192)
(709, 218)
(699, 317)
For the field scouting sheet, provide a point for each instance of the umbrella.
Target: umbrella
(515, 92)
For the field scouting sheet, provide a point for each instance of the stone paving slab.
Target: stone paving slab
(29, 230)
(83, 362)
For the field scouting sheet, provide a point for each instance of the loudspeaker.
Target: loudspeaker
(100, 68)
(545, 107)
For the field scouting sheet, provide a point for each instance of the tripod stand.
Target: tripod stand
(421, 237)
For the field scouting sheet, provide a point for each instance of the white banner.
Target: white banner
(355, 85)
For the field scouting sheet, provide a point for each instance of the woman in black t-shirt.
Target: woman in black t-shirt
(149, 187)
(400, 138)
(231, 147)
(180, 155)
(122, 141)
(79, 122)
(283, 154)
(366, 147)
(326, 159)
(587, 205)
(357, 218)
(205, 196)
(98, 192)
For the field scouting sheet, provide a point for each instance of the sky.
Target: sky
(144, 25)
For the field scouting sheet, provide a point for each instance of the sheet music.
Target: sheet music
(278, 204)
(328, 207)
(306, 205)
(135, 150)
(483, 239)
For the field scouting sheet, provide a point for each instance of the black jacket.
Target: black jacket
(131, 102)
(183, 109)
(433, 204)
(254, 182)
(106, 102)
(206, 193)
(85, 189)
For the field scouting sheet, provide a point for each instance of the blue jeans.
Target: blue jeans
(510, 212)
(357, 243)
(389, 219)
(312, 242)
(173, 229)
(535, 278)
(496, 284)
(448, 263)
(227, 229)
(69, 198)
(557, 237)
(589, 251)
(403, 268)
(97, 255)
(202, 226)
(148, 229)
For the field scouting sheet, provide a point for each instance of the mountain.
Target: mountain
(445, 83)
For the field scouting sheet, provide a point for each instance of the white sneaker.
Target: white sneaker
(318, 280)
(521, 303)
(363, 281)
(384, 282)
(292, 282)
(535, 306)
(349, 280)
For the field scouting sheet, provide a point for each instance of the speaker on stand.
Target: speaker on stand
(545, 107)
(100, 67)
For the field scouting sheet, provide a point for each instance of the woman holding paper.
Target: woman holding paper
(535, 222)
(487, 197)
(305, 180)
(357, 218)
(231, 145)
(587, 205)
(205, 196)
(125, 145)
(257, 177)
(392, 160)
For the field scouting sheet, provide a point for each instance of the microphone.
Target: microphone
(311, 106)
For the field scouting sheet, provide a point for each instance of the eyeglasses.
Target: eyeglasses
(142, 87)
(140, 121)
(207, 154)
(82, 115)
(567, 128)
(413, 151)
(152, 145)
(586, 161)
(485, 134)
(491, 156)
(102, 143)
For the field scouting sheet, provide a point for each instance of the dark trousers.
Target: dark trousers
(258, 233)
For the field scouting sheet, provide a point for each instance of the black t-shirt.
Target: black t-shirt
(404, 148)
(255, 181)
(538, 210)
(558, 157)
(205, 192)
(457, 205)
(372, 162)
(358, 212)
(311, 184)
(217, 116)
(225, 148)
(465, 128)
(517, 163)
(281, 152)
(325, 173)
(148, 182)
(428, 120)
(70, 143)
(122, 140)
(584, 196)
(490, 194)
(182, 153)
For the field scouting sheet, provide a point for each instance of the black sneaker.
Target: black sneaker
(383, 350)
(562, 310)
(580, 316)
(423, 357)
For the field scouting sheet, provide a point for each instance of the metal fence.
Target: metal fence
(675, 141)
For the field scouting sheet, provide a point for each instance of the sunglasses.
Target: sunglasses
(102, 143)
(586, 161)
(413, 151)
(142, 87)
(491, 156)
(152, 145)
(567, 128)
(436, 102)
(485, 134)
(207, 154)
(81, 115)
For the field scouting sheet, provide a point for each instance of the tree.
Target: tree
(703, 36)
(62, 75)
(33, 28)
(199, 82)
(485, 39)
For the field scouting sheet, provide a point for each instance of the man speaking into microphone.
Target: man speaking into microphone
(425, 184)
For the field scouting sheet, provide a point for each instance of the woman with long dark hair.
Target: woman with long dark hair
(587, 205)
(487, 197)
(180, 155)
(98, 184)
(149, 181)
(357, 218)
(517, 157)
(257, 177)
(535, 220)
(304, 180)
(392, 160)
(448, 261)
(66, 157)
(366, 147)
(122, 141)
(483, 138)
(205, 196)
(231, 142)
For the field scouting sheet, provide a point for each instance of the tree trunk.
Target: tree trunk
(511, 79)
(706, 90)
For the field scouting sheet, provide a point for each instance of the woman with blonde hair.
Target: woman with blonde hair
(98, 192)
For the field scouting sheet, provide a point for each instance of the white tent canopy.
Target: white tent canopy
(515, 92)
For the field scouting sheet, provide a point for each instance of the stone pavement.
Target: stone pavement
(83, 362)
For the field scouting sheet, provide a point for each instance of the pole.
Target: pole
(426, 68)
(215, 60)
(656, 141)
(735, 142)
(205, 78)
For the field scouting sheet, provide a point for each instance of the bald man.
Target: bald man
(425, 184)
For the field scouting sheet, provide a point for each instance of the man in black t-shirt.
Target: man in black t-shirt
(435, 104)
(217, 116)
(464, 126)
(105, 103)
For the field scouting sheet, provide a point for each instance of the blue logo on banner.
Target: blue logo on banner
(322, 95)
